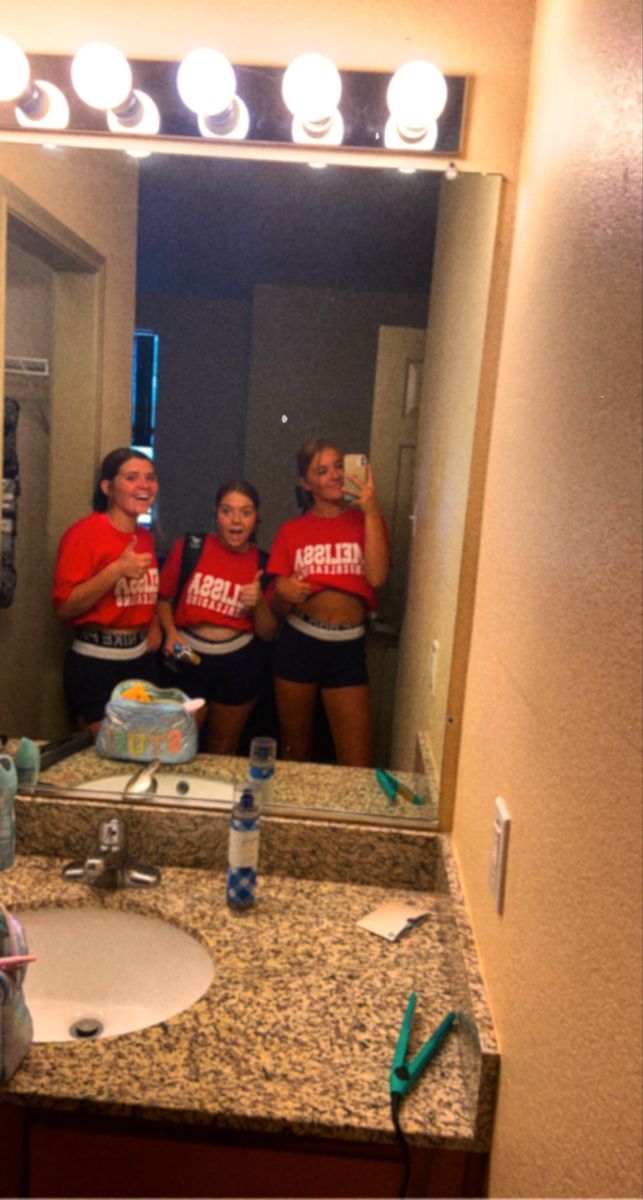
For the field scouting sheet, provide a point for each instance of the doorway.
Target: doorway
(51, 288)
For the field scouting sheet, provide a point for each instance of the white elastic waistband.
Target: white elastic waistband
(345, 634)
(111, 652)
(203, 646)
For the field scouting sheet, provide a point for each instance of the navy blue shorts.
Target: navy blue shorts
(89, 682)
(301, 658)
(232, 678)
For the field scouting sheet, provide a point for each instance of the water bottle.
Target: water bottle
(261, 766)
(243, 849)
(8, 787)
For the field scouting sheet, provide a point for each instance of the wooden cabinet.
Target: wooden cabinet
(51, 1154)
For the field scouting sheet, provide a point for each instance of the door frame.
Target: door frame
(75, 393)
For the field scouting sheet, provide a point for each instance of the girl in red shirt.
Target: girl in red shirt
(105, 588)
(221, 613)
(327, 564)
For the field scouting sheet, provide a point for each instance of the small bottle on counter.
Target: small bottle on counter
(8, 788)
(243, 849)
(27, 761)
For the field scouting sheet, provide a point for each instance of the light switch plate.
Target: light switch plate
(499, 846)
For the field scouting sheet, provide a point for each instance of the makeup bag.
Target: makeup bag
(16, 1025)
(138, 730)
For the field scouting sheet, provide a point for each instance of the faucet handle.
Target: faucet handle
(111, 835)
(93, 868)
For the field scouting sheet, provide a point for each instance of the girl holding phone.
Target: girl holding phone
(327, 563)
(105, 588)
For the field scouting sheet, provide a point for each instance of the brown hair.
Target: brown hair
(246, 489)
(109, 469)
(305, 456)
(307, 452)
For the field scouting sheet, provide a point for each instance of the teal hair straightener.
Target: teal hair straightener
(394, 789)
(405, 1073)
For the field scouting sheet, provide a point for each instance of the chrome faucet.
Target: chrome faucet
(107, 866)
(143, 782)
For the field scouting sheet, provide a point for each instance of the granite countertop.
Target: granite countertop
(298, 1028)
(315, 786)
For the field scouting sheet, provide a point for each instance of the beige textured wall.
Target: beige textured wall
(553, 698)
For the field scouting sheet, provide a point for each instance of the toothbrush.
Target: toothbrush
(13, 961)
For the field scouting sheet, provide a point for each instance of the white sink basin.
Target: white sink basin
(119, 970)
(182, 787)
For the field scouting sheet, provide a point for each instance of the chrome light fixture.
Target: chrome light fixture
(415, 112)
(207, 86)
(39, 104)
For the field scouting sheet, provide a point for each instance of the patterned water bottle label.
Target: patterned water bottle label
(244, 848)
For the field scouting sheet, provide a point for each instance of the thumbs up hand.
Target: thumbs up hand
(250, 593)
(134, 565)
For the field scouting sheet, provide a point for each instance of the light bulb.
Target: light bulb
(101, 76)
(206, 82)
(14, 70)
(416, 95)
(311, 88)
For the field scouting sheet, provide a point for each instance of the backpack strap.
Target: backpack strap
(192, 547)
(263, 563)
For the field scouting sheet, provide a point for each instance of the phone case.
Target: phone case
(355, 464)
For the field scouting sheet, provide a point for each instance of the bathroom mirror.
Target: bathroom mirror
(371, 228)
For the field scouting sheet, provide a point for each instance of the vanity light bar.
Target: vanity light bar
(364, 108)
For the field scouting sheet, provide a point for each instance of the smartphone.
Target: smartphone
(354, 467)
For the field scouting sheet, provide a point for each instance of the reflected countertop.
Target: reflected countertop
(316, 786)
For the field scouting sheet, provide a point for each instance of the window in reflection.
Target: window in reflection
(144, 389)
(144, 394)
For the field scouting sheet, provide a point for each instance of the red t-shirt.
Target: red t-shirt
(212, 591)
(328, 552)
(86, 548)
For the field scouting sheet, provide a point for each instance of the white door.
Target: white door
(396, 406)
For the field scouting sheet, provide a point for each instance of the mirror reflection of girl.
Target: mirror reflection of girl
(327, 563)
(105, 588)
(221, 613)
